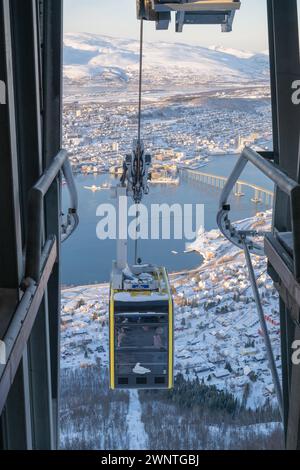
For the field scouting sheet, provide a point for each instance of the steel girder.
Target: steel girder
(285, 68)
(30, 123)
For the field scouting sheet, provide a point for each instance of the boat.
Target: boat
(93, 188)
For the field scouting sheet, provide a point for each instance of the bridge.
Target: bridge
(260, 195)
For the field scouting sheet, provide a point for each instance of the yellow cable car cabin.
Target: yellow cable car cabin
(141, 328)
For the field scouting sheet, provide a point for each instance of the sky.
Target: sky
(118, 18)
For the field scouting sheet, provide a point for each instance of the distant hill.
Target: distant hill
(104, 57)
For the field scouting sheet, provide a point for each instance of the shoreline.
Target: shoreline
(197, 247)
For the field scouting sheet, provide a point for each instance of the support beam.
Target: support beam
(16, 424)
(285, 68)
(31, 126)
(11, 238)
(14, 421)
(40, 381)
(293, 423)
(52, 99)
(28, 96)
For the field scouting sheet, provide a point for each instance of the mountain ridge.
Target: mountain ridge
(92, 55)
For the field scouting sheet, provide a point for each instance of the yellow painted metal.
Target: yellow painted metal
(171, 332)
(112, 340)
(171, 343)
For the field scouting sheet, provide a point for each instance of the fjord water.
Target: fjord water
(87, 260)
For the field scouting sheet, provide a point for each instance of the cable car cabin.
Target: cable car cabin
(141, 329)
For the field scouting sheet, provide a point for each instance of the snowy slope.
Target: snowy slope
(136, 430)
(90, 55)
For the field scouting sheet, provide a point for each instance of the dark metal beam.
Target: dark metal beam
(10, 239)
(15, 420)
(40, 380)
(293, 424)
(31, 127)
(273, 81)
(285, 69)
(52, 99)
(28, 99)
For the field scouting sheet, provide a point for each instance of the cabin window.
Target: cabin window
(141, 336)
(122, 381)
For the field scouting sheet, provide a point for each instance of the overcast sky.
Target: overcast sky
(118, 18)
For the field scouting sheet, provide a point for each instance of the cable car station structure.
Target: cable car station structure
(33, 226)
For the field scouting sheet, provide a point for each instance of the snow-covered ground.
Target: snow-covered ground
(136, 430)
(217, 332)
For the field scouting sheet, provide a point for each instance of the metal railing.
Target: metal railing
(39, 263)
(35, 213)
(246, 240)
(282, 181)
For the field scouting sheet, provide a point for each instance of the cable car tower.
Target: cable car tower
(141, 306)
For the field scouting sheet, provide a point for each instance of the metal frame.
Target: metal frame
(11, 238)
(30, 204)
(189, 12)
(286, 276)
(285, 68)
(287, 185)
(244, 239)
(39, 266)
(282, 246)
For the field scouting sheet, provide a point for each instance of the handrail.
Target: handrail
(281, 180)
(278, 177)
(39, 264)
(244, 239)
(35, 213)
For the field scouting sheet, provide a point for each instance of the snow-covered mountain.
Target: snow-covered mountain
(92, 55)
